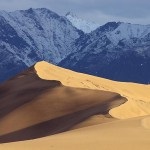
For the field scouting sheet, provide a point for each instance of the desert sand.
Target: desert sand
(131, 134)
(32, 107)
(47, 100)
(138, 95)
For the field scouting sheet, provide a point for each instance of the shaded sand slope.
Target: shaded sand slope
(138, 95)
(31, 107)
(131, 134)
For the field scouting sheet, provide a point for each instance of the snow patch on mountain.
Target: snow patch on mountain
(127, 31)
(85, 26)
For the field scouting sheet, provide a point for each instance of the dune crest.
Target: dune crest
(138, 95)
(31, 107)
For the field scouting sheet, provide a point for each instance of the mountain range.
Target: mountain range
(116, 50)
(28, 36)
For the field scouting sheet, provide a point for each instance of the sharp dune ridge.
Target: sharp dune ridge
(32, 107)
(22, 89)
(46, 100)
(138, 95)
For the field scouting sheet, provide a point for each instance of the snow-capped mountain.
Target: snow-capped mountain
(83, 25)
(28, 36)
(118, 51)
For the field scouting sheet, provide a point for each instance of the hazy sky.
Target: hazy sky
(100, 11)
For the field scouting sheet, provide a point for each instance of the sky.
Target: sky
(99, 11)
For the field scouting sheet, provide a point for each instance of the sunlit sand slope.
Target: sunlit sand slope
(131, 134)
(138, 95)
(31, 107)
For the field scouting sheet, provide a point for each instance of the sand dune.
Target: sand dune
(131, 134)
(46, 99)
(138, 95)
(32, 107)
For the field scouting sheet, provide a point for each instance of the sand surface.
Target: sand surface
(46, 99)
(32, 107)
(131, 134)
(138, 95)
